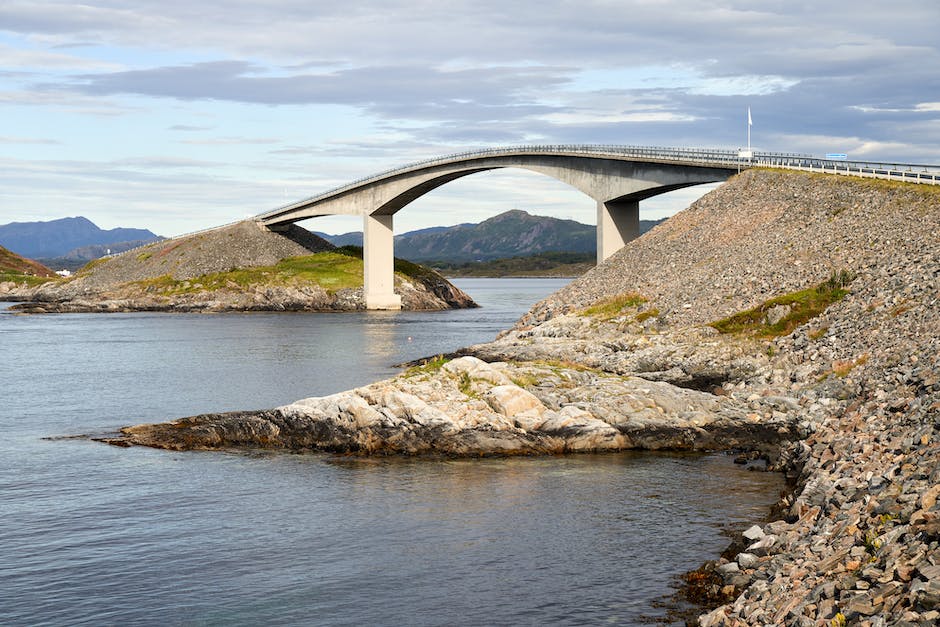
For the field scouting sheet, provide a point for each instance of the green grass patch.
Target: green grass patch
(646, 315)
(94, 263)
(613, 307)
(465, 385)
(415, 271)
(144, 256)
(842, 367)
(815, 334)
(524, 380)
(19, 278)
(431, 366)
(802, 306)
(331, 270)
(402, 266)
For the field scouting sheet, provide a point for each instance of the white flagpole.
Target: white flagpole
(749, 123)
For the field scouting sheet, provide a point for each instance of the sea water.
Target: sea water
(92, 534)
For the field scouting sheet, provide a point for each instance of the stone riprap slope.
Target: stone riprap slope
(859, 538)
(765, 233)
(125, 282)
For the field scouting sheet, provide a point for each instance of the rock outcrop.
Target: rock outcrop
(469, 407)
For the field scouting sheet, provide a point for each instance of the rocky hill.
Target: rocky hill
(57, 238)
(243, 267)
(791, 317)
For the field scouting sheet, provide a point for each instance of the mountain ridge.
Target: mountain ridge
(58, 238)
(514, 233)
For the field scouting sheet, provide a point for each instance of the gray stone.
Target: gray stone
(729, 568)
(747, 560)
(764, 546)
(753, 533)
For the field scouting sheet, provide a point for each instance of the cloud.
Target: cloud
(11, 57)
(28, 140)
(494, 91)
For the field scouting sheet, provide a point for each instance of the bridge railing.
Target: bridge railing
(700, 156)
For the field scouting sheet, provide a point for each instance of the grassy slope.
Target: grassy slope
(332, 270)
(19, 269)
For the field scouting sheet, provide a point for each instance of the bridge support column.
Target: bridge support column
(618, 222)
(378, 257)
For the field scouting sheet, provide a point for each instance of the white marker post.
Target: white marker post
(746, 154)
(749, 124)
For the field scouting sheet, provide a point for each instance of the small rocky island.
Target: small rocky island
(240, 267)
(789, 316)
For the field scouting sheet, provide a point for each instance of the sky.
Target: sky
(176, 115)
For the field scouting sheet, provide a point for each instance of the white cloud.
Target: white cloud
(745, 85)
(11, 57)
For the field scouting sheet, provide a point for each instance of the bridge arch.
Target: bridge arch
(616, 179)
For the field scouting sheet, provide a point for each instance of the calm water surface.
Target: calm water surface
(97, 535)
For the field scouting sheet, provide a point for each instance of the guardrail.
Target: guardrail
(698, 156)
(908, 172)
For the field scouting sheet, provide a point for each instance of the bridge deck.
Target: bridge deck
(912, 173)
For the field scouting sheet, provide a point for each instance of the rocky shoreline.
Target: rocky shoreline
(416, 296)
(468, 407)
(845, 401)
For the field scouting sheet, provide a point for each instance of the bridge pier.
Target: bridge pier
(378, 257)
(618, 222)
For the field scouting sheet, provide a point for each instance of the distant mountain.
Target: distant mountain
(354, 238)
(13, 264)
(511, 234)
(57, 238)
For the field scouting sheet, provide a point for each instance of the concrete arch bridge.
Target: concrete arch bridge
(616, 177)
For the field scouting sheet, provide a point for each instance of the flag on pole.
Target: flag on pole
(749, 122)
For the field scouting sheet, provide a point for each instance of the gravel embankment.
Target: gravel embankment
(859, 538)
